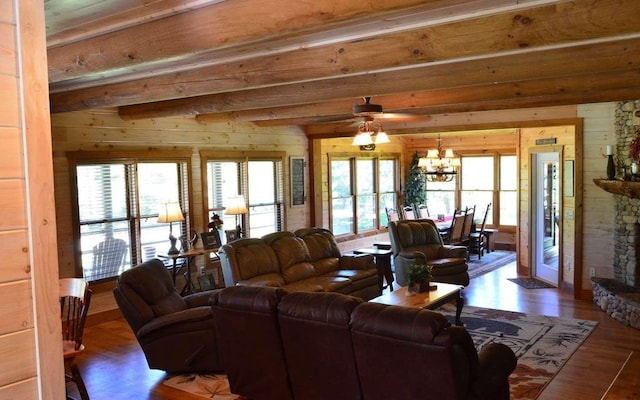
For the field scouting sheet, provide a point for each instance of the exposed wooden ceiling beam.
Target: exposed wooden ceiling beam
(467, 38)
(619, 56)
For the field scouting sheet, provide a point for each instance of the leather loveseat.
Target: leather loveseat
(419, 242)
(312, 346)
(306, 260)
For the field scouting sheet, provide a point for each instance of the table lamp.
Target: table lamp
(236, 206)
(171, 212)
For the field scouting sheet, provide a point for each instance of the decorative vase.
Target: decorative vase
(611, 168)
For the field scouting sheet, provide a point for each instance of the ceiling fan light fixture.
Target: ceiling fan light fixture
(362, 138)
(382, 137)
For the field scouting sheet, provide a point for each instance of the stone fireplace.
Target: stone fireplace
(620, 296)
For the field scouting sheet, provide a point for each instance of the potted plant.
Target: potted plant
(419, 278)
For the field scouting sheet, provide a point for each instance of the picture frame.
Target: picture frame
(296, 180)
(206, 282)
(210, 240)
(231, 235)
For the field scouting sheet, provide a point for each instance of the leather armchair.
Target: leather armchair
(419, 242)
(177, 334)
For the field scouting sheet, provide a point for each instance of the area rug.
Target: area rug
(208, 386)
(542, 344)
(531, 283)
(489, 262)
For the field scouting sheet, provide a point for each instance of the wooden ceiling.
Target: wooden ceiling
(293, 62)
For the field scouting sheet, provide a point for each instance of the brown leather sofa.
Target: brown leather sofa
(177, 334)
(419, 242)
(312, 346)
(308, 260)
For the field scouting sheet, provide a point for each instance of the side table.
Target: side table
(382, 259)
(189, 257)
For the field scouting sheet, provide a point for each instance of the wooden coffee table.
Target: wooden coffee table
(431, 300)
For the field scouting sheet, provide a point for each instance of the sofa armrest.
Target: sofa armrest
(497, 362)
(178, 320)
(199, 299)
(356, 261)
(413, 257)
(450, 251)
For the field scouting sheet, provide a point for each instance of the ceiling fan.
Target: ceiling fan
(370, 117)
(370, 112)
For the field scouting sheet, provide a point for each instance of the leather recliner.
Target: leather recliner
(419, 242)
(177, 334)
(311, 346)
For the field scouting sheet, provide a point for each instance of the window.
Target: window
(508, 190)
(117, 209)
(441, 197)
(483, 180)
(259, 179)
(360, 189)
(477, 181)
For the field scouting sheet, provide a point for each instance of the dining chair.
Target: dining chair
(408, 212)
(455, 232)
(392, 214)
(477, 240)
(423, 211)
(468, 224)
(75, 297)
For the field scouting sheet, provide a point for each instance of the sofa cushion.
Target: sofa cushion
(359, 278)
(267, 280)
(292, 255)
(256, 258)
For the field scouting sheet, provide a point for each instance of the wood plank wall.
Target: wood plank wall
(104, 130)
(598, 210)
(101, 130)
(29, 273)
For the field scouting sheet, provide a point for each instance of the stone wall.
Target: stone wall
(619, 301)
(627, 229)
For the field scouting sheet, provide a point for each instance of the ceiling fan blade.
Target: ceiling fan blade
(402, 117)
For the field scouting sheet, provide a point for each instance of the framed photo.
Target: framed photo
(206, 282)
(231, 235)
(296, 175)
(210, 240)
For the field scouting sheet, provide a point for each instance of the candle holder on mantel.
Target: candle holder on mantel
(611, 168)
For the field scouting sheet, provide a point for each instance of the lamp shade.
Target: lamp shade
(236, 205)
(170, 212)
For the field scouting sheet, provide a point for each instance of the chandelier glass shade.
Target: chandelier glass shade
(439, 166)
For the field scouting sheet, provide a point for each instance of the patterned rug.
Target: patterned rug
(531, 283)
(489, 262)
(542, 344)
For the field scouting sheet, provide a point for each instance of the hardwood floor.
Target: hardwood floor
(114, 367)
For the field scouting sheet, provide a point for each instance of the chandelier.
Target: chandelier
(438, 166)
(370, 133)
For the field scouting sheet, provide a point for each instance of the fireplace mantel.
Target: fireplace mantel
(624, 188)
